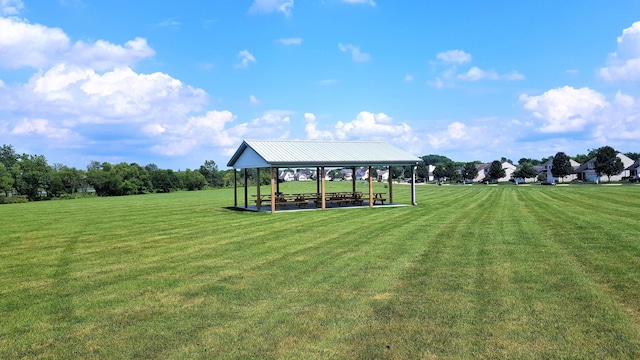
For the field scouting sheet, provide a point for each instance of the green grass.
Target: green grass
(471, 272)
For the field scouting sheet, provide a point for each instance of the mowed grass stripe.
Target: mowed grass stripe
(472, 271)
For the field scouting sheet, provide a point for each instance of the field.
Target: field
(471, 272)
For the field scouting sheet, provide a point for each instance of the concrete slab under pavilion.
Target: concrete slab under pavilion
(272, 155)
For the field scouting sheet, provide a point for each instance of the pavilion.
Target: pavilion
(272, 155)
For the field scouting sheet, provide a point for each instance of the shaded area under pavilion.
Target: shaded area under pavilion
(272, 155)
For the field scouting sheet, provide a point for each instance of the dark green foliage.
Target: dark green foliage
(191, 180)
(525, 170)
(435, 159)
(164, 180)
(496, 171)
(633, 155)
(6, 180)
(561, 166)
(32, 176)
(530, 161)
(469, 171)
(16, 199)
(210, 172)
(119, 179)
(607, 162)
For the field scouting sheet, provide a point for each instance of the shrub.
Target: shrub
(16, 199)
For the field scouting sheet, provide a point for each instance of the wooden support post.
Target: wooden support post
(413, 185)
(235, 187)
(246, 189)
(323, 193)
(273, 190)
(370, 187)
(317, 180)
(390, 179)
(258, 199)
(353, 179)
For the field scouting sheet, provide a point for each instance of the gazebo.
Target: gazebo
(271, 155)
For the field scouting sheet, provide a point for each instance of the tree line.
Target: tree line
(606, 164)
(30, 177)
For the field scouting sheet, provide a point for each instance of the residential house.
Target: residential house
(348, 174)
(587, 171)
(633, 168)
(286, 175)
(305, 174)
(483, 172)
(550, 178)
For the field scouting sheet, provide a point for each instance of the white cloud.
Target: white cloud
(356, 54)
(565, 109)
(269, 6)
(254, 100)
(366, 2)
(456, 134)
(44, 129)
(408, 78)
(476, 74)
(311, 129)
(624, 64)
(11, 7)
(26, 45)
(245, 59)
(290, 41)
(454, 57)
(104, 55)
(374, 126)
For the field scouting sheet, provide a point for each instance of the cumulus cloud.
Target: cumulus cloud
(290, 41)
(104, 55)
(624, 64)
(311, 129)
(450, 75)
(565, 109)
(254, 100)
(379, 126)
(43, 128)
(25, 45)
(32, 45)
(454, 56)
(246, 58)
(366, 2)
(11, 7)
(356, 54)
(269, 6)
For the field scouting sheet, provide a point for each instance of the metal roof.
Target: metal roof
(301, 153)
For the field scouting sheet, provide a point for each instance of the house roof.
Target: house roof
(299, 153)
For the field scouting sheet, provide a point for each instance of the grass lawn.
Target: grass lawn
(471, 272)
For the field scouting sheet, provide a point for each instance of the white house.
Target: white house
(587, 171)
(550, 178)
(483, 171)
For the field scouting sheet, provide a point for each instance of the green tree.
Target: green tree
(633, 155)
(530, 161)
(435, 159)
(469, 171)
(452, 171)
(210, 172)
(192, 180)
(164, 180)
(439, 172)
(607, 162)
(496, 171)
(6, 180)
(561, 165)
(32, 176)
(525, 170)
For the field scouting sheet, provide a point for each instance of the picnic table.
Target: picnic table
(303, 199)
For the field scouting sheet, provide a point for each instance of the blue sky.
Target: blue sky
(177, 83)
